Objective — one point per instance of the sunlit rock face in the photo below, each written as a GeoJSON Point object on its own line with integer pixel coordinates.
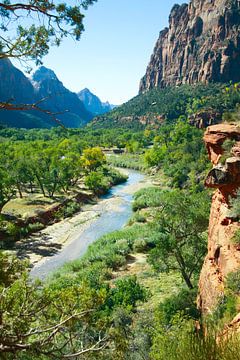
{"type": "Point", "coordinates": [201, 44]}
{"type": "Point", "coordinates": [223, 255]}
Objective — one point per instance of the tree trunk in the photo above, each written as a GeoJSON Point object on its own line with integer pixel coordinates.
{"type": "Point", "coordinates": [41, 185]}
{"type": "Point", "coordinates": [19, 190]}
{"type": "Point", "coordinates": [187, 279]}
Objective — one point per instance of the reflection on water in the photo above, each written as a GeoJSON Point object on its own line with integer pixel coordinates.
{"type": "Point", "coordinates": [110, 218]}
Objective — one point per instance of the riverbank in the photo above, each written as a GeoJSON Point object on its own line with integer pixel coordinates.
{"type": "Point", "coordinates": [111, 212]}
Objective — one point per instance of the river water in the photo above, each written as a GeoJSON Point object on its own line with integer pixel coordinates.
{"type": "Point", "coordinates": [113, 210]}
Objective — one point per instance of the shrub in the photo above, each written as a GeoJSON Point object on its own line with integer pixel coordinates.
{"type": "Point", "coordinates": [140, 245]}
{"type": "Point", "coordinates": [233, 282]}
{"type": "Point", "coordinates": [35, 227]}
{"type": "Point", "coordinates": [128, 292]}
{"type": "Point", "coordinates": [183, 302]}
{"type": "Point", "coordinates": [236, 237]}
{"type": "Point", "coordinates": [122, 247]}
{"type": "Point", "coordinates": [97, 182]}
{"type": "Point", "coordinates": [234, 211]}
{"type": "Point", "coordinates": [115, 261]}
{"type": "Point", "coordinates": [12, 229]}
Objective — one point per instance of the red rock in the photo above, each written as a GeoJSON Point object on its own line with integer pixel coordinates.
{"type": "Point", "coordinates": [222, 258]}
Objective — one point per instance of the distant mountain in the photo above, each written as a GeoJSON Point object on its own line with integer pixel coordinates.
{"type": "Point", "coordinates": [93, 103]}
{"type": "Point", "coordinates": [16, 88]}
{"type": "Point", "coordinates": [44, 84]}
{"type": "Point", "coordinates": [59, 99]}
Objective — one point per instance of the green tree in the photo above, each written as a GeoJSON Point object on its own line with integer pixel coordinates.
{"type": "Point", "coordinates": [92, 159]}
{"type": "Point", "coordinates": [181, 225]}
{"type": "Point", "coordinates": [7, 190]}
{"type": "Point", "coordinates": [36, 25]}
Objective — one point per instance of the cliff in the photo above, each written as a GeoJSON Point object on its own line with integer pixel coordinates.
{"type": "Point", "coordinates": [223, 255]}
{"type": "Point", "coordinates": [202, 44]}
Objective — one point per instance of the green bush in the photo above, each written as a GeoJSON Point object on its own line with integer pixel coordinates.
{"type": "Point", "coordinates": [128, 292]}
{"type": "Point", "coordinates": [35, 227]}
{"type": "Point", "coordinates": [236, 238]}
{"type": "Point", "coordinates": [115, 261]}
{"type": "Point", "coordinates": [233, 282]}
{"type": "Point", "coordinates": [181, 341]}
{"type": "Point", "coordinates": [97, 182]}
{"type": "Point", "coordinates": [183, 302]}
{"type": "Point", "coordinates": [234, 211]}
{"type": "Point", "coordinates": [140, 245]}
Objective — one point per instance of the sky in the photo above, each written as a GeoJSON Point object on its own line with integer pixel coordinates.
{"type": "Point", "coordinates": [114, 49]}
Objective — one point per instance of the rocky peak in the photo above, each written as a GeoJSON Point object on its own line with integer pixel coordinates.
{"type": "Point", "coordinates": [93, 104]}
{"type": "Point", "coordinates": [201, 44]}
{"type": "Point", "coordinates": [223, 255]}
{"type": "Point", "coordinates": [44, 73]}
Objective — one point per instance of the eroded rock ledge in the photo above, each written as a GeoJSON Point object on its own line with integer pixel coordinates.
{"type": "Point", "coordinates": [223, 255]}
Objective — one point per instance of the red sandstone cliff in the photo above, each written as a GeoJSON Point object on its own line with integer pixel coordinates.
{"type": "Point", "coordinates": [202, 44]}
{"type": "Point", "coordinates": [223, 255]}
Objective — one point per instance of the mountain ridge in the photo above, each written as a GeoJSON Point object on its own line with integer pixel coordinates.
{"type": "Point", "coordinates": [93, 104]}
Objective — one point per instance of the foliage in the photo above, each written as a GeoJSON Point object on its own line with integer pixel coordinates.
{"type": "Point", "coordinates": [183, 302]}
{"type": "Point", "coordinates": [63, 319]}
{"type": "Point", "coordinates": [181, 341]}
{"type": "Point", "coordinates": [234, 211]}
{"type": "Point", "coordinates": [179, 150]}
{"type": "Point", "coordinates": [236, 237]}
{"type": "Point", "coordinates": [181, 241]}
{"type": "Point", "coordinates": [171, 103]}
{"type": "Point", "coordinates": [233, 282]}
{"type": "Point", "coordinates": [50, 23]}
{"type": "Point", "coordinates": [92, 159]}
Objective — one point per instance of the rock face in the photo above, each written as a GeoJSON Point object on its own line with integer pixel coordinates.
{"type": "Point", "coordinates": [93, 104]}
{"type": "Point", "coordinates": [223, 255]}
{"type": "Point", "coordinates": [202, 44]}
{"type": "Point", "coordinates": [204, 118]}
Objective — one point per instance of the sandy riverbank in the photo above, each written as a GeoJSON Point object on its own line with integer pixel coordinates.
{"type": "Point", "coordinates": [53, 239]}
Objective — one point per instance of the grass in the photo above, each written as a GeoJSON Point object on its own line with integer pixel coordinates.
{"type": "Point", "coordinates": [129, 161]}
{"type": "Point", "coordinates": [160, 286]}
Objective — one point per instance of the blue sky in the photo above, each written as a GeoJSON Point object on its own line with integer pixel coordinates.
{"type": "Point", "coordinates": [114, 50]}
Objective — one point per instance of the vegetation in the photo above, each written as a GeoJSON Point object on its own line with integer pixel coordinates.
{"type": "Point", "coordinates": [48, 26]}
{"type": "Point", "coordinates": [171, 103]}
{"type": "Point", "coordinates": [97, 307]}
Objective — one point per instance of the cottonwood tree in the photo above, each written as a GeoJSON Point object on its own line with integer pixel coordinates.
{"type": "Point", "coordinates": [181, 226]}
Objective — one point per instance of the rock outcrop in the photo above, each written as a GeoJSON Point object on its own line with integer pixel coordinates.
{"type": "Point", "coordinates": [202, 44]}
{"type": "Point", "coordinates": [223, 255]}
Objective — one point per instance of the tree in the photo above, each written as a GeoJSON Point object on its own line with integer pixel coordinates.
{"type": "Point", "coordinates": [38, 320]}
{"type": "Point", "coordinates": [50, 23]}
{"type": "Point", "coordinates": [92, 159]}
{"type": "Point", "coordinates": [7, 190]}
{"type": "Point", "coordinates": [181, 225]}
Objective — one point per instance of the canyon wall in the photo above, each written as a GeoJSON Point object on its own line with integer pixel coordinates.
{"type": "Point", "coordinates": [201, 44]}
{"type": "Point", "coordinates": [223, 255]}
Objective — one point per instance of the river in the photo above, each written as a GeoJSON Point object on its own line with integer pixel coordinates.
{"type": "Point", "coordinates": [112, 212]}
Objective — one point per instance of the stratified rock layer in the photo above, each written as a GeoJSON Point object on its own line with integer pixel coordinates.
{"type": "Point", "coordinates": [202, 44]}
{"type": "Point", "coordinates": [223, 255]}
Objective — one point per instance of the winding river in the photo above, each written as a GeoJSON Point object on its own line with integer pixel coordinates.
{"type": "Point", "coordinates": [111, 213]}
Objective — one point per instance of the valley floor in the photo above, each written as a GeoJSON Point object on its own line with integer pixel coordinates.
{"type": "Point", "coordinates": [56, 237]}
